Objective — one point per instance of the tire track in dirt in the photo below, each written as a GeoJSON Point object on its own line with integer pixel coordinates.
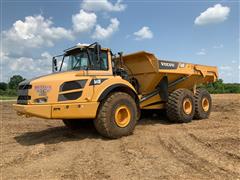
{"type": "Point", "coordinates": [36, 148]}
{"type": "Point", "coordinates": [99, 162]}
{"type": "Point", "coordinates": [218, 159]}
{"type": "Point", "coordinates": [131, 158]}
{"type": "Point", "coordinates": [182, 155]}
{"type": "Point", "coordinates": [233, 157]}
{"type": "Point", "coordinates": [149, 159]}
{"type": "Point", "coordinates": [33, 154]}
{"type": "Point", "coordinates": [80, 166]}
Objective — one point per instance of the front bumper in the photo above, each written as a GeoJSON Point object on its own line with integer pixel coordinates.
{"type": "Point", "coordinates": [59, 111]}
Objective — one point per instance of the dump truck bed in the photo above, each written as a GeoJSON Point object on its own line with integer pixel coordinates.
{"type": "Point", "coordinates": [149, 71]}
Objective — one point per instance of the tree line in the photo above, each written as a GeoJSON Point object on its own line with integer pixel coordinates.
{"type": "Point", "coordinates": [218, 87]}
{"type": "Point", "coordinates": [10, 88]}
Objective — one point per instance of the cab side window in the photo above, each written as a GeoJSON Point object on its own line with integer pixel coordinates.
{"type": "Point", "coordinates": [103, 64]}
{"type": "Point", "coordinates": [104, 60]}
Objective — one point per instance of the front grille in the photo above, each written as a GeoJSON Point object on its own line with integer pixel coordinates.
{"type": "Point", "coordinates": [23, 99]}
{"type": "Point", "coordinates": [23, 96]}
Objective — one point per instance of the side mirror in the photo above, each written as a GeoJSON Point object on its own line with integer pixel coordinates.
{"type": "Point", "coordinates": [97, 50]}
{"type": "Point", "coordinates": [54, 64]}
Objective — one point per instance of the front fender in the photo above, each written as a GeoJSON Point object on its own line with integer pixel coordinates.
{"type": "Point", "coordinates": [112, 84]}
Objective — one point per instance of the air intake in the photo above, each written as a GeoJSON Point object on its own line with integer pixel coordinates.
{"type": "Point", "coordinates": [69, 96]}
{"type": "Point", "coordinates": [71, 85]}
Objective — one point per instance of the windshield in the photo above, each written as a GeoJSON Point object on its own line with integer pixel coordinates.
{"type": "Point", "coordinates": [81, 61]}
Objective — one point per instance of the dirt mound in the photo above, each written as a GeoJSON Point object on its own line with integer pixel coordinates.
{"type": "Point", "coordinates": [43, 149]}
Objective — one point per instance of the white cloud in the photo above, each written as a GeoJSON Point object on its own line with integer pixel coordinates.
{"type": "Point", "coordinates": [202, 52]}
{"type": "Point", "coordinates": [33, 32]}
{"type": "Point", "coordinates": [83, 44]}
{"type": "Point", "coordinates": [215, 14]}
{"type": "Point", "coordinates": [218, 46]}
{"type": "Point", "coordinates": [103, 33]}
{"type": "Point", "coordinates": [26, 66]}
{"type": "Point", "coordinates": [25, 39]}
{"type": "Point", "coordinates": [143, 33]}
{"type": "Point", "coordinates": [83, 21]}
{"type": "Point", "coordinates": [102, 5]}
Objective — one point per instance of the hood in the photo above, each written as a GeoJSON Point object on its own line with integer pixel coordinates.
{"type": "Point", "coordinates": [56, 87]}
{"type": "Point", "coordinates": [58, 76]}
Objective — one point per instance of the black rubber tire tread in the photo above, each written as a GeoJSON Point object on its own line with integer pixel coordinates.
{"type": "Point", "coordinates": [105, 123]}
{"type": "Point", "coordinates": [199, 112]}
{"type": "Point", "coordinates": [175, 111]}
{"type": "Point", "coordinates": [75, 124]}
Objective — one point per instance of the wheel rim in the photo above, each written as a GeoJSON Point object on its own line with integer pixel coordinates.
{"type": "Point", "coordinates": [187, 106]}
{"type": "Point", "coordinates": [122, 116]}
{"type": "Point", "coordinates": [205, 104]}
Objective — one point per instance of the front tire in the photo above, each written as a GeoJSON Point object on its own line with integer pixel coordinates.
{"type": "Point", "coordinates": [117, 116]}
{"type": "Point", "coordinates": [180, 106]}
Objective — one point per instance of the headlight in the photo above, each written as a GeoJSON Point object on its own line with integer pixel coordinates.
{"type": "Point", "coordinates": [41, 100]}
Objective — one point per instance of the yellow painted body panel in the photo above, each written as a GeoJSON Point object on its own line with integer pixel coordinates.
{"type": "Point", "coordinates": [156, 106]}
{"type": "Point", "coordinates": [144, 67]}
{"type": "Point", "coordinates": [75, 110]}
{"type": "Point", "coordinates": [59, 111]}
{"type": "Point", "coordinates": [43, 111]}
{"type": "Point", "coordinates": [152, 103]}
{"type": "Point", "coordinates": [54, 81]}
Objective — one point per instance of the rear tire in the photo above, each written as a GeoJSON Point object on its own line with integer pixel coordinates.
{"type": "Point", "coordinates": [180, 106]}
{"type": "Point", "coordinates": [203, 104]}
{"type": "Point", "coordinates": [117, 116]}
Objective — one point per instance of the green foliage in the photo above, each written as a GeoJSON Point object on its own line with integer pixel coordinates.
{"type": "Point", "coordinates": [14, 81]}
{"type": "Point", "coordinates": [219, 87]}
{"type": "Point", "coordinates": [10, 89]}
{"type": "Point", "coordinates": [11, 92]}
{"type": "Point", "coordinates": [2, 93]}
{"type": "Point", "coordinates": [8, 98]}
{"type": "Point", "coordinates": [3, 86]}
{"type": "Point", "coordinates": [8, 92]}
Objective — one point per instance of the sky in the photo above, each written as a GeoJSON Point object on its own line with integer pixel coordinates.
{"type": "Point", "coordinates": [201, 32]}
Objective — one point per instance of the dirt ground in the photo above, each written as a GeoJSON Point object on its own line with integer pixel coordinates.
{"type": "Point", "coordinates": [35, 148]}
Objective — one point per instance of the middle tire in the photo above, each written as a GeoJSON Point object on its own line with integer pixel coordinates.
{"type": "Point", "coordinates": [180, 106]}
{"type": "Point", "coordinates": [117, 115]}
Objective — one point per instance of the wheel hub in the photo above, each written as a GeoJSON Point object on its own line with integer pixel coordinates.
{"type": "Point", "coordinates": [205, 104]}
{"type": "Point", "coordinates": [122, 116]}
{"type": "Point", "coordinates": [187, 106]}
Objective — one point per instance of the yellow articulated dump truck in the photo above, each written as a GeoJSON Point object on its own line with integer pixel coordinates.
{"type": "Point", "coordinates": [90, 82]}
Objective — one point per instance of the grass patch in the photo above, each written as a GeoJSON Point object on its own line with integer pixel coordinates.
{"type": "Point", "coordinates": [8, 97]}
